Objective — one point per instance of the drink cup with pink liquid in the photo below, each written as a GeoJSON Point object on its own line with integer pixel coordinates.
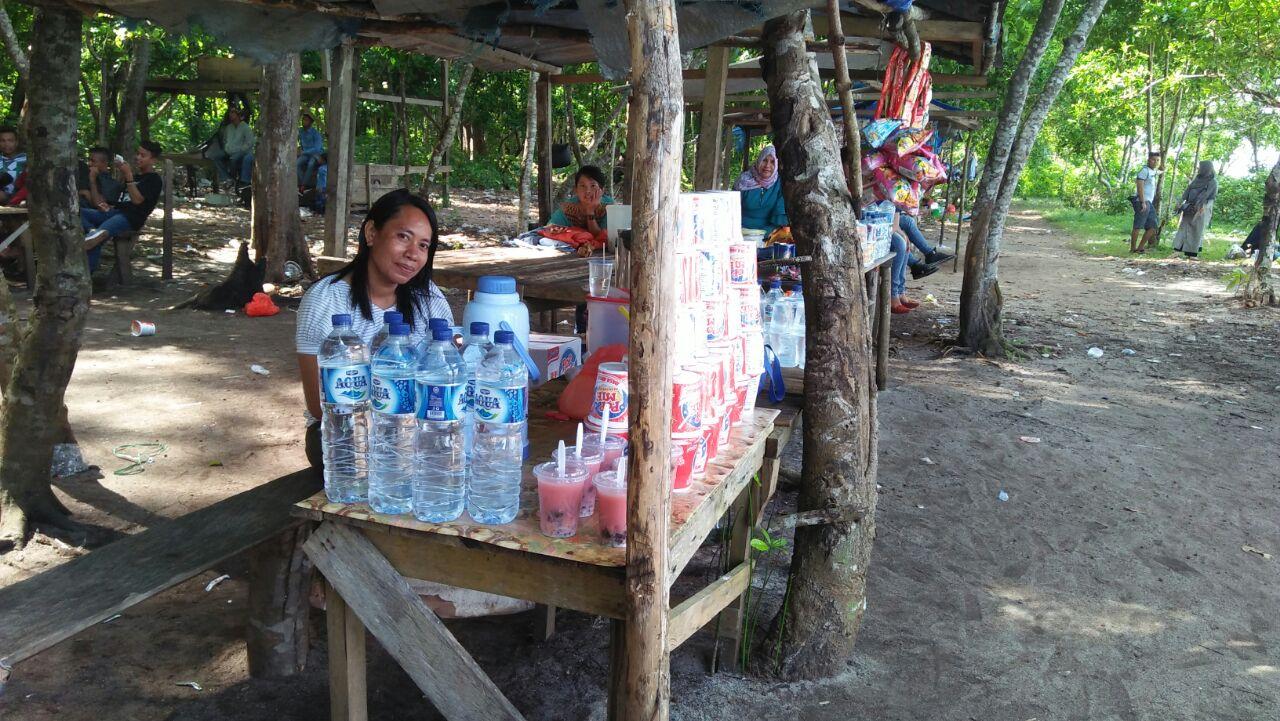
{"type": "Point", "coordinates": [592, 457]}
{"type": "Point", "coordinates": [560, 487]}
{"type": "Point", "coordinates": [611, 506]}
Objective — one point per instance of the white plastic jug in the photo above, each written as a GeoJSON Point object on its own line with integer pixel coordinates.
{"type": "Point", "coordinates": [496, 301]}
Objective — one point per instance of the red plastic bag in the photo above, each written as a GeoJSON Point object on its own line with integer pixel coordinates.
{"type": "Point", "coordinates": [261, 306]}
{"type": "Point", "coordinates": [575, 400]}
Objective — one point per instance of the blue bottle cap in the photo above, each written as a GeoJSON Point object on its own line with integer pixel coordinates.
{"type": "Point", "coordinates": [437, 323]}
{"type": "Point", "coordinates": [399, 329]}
{"type": "Point", "coordinates": [442, 334]}
{"type": "Point", "coordinates": [392, 317]}
{"type": "Point", "coordinates": [504, 336]}
{"type": "Point", "coordinates": [775, 284]}
{"type": "Point", "coordinates": [341, 319]}
{"type": "Point", "coordinates": [479, 328]}
{"type": "Point", "coordinates": [496, 284]}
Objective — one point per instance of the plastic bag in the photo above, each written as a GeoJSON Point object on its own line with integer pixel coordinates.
{"type": "Point", "coordinates": [907, 141]}
{"type": "Point", "coordinates": [261, 306]}
{"type": "Point", "coordinates": [575, 400]}
{"type": "Point", "coordinates": [905, 195]}
{"type": "Point", "coordinates": [878, 131]}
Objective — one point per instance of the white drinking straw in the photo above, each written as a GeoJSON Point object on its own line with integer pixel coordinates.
{"type": "Point", "coordinates": [577, 449]}
{"type": "Point", "coordinates": [560, 460]}
{"type": "Point", "coordinates": [604, 425]}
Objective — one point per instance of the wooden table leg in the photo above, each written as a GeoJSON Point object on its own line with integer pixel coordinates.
{"type": "Point", "coordinates": [882, 326]}
{"type": "Point", "coordinates": [28, 260]}
{"type": "Point", "coordinates": [617, 669]}
{"type": "Point", "coordinates": [544, 622]}
{"type": "Point", "coordinates": [744, 512]}
{"type": "Point", "coordinates": [348, 697]}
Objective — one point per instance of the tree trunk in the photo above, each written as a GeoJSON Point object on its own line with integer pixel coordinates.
{"type": "Point", "coordinates": [277, 233]}
{"type": "Point", "coordinates": [814, 633]}
{"type": "Point", "coordinates": [133, 97]}
{"type": "Point", "coordinates": [450, 128]}
{"type": "Point", "coordinates": [1151, 81]}
{"type": "Point", "coordinates": [13, 46]}
{"type": "Point", "coordinates": [30, 422]}
{"type": "Point", "coordinates": [530, 142]}
{"type": "Point", "coordinates": [1271, 213]}
{"type": "Point", "coordinates": [278, 635]}
{"type": "Point", "coordinates": [980, 313]}
{"type": "Point", "coordinates": [979, 294]}
{"type": "Point", "coordinates": [590, 156]}
{"type": "Point", "coordinates": [571, 125]}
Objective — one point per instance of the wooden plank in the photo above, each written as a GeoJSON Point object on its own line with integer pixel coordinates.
{"type": "Point", "coordinates": [711, 128]}
{"type": "Point", "coordinates": [340, 119]}
{"type": "Point", "coordinates": [544, 622]}
{"type": "Point", "coordinates": [699, 609]}
{"type": "Point", "coordinates": [543, 102]}
{"type": "Point", "coordinates": [348, 696]}
{"type": "Point", "coordinates": [166, 272]}
{"type": "Point", "coordinates": [407, 629]}
{"type": "Point", "coordinates": [939, 79]}
{"type": "Point", "coordinates": [933, 31]}
{"type": "Point", "coordinates": [52, 606]}
{"type": "Point", "coordinates": [883, 304]}
{"type": "Point", "coordinates": [381, 98]}
{"type": "Point", "coordinates": [28, 260]}
{"type": "Point", "coordinates": [183, 86]}
{"type": "Point", "coordinates": [550, 581]}
{"type": "Point", "coordinates": [541, 275]}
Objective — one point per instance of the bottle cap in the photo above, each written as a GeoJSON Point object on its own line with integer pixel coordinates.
{"type": "Point", "coordinates": [442, 334]}
{"type": "Point", "coordinates": [496, 284]}
{"type": "Point", "coordinates": [341, 319]}
{"type": "Point", "coordinates": [775, 284]}
{"type": "Point", "coordinates": [479, 328]}
{"type": "Point", "coordinates": [437, 323]}
{"type": "Point", "coordinates": [392, 317]}
{"type": "Point", "coordinates": [504, 336]}
{"type": "Point", "coordinates": [399, 329]}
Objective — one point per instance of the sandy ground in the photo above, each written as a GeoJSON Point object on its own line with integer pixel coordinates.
{"type": "Point", "coordinates": [1111, 584]}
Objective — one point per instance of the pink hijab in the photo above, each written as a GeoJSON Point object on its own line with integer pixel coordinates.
{"type": "Point", "coordinates": [751, 179]}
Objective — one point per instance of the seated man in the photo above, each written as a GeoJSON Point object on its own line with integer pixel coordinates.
{"type": "Point", "coordinates": [233, 156]}
{"type": "Point", "coordinates": [12, 162]}
{"type": "Point", "coordinates": [129, 211]}
{"type": "Point", "coordinates": [310, 145]}
{"type": "Point", "coordinates": [932, 256]}
{"type": "Point", "coordinates": [99, 165]}
{"type": "Point", "coordinates": [322, 182]}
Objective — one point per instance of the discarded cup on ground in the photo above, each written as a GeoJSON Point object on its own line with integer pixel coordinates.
{"type": "Point", "coordinates": [560, 496]}
{"type": "Point", "coordinates": [601, 276]}
{"type": "Point", "coordinates": [142, 327]}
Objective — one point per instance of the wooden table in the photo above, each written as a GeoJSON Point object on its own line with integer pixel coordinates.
{"type": "Point", "coordinates": [17, 230]}
{"type": "Point", "coordinates": [544, 275]}
{"type": "Point", "coordinates": [366, 558]}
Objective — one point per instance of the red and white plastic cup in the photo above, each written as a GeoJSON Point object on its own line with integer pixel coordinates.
{"type": "Point", "coordinates": [712, 270]}
{"type": "Point", "coordinates": [742, 262]}
{"type": "Point", "coordinates": [610, 397]}
{"type": "Point", "coordinates": [142, 328]}
{"type": "Point", "coordinates": [688, 277]}
{"type": "Point", "coordinates": [684, 452]}
{"type": "Point", "coordinates": [686, 402]}
{"type": "Point", "coordinates": [748, 306]}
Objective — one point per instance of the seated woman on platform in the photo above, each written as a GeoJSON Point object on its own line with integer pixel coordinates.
{"type": "Point", "coordinates": [391, 271]}
{"type": "Point", "coordinates": [585, 208]}
{"type": "Point", "coordinates": [762, 206]}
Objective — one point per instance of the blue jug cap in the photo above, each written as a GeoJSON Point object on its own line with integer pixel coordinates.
{"type": "Point", "coordinates": [442, 334]}
{"type": "Point", "coordinates": [437, 323]}
{"type": "Point", "coordinates": [340, 319]}
{"type": "Point", "coordinates": [479, 328]}
{"type": "Point", "coordinates": [399, 329]}
{"type": "Point", "coordinates": [496, 284]}
{"type": "Point", "coordinates": [775, 284]}
{"type": "Point", "coordinates": [504, 336]}
{"type": "Point", "coordinates": [392, 316]}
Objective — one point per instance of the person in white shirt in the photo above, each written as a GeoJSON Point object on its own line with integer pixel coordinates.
{"type": "Point", "coordinates": [391, 271]}
{"type": "Point", "coordinates": [1145, 220]}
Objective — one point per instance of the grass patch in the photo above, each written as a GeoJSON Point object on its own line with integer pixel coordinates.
{"type": "Point", "coordinates": [1096, 233]}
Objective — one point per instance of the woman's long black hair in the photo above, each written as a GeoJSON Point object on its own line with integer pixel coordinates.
{"type": "Point", "coordinates": [411, 297]}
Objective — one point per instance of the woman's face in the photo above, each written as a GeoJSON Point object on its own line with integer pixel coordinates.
{"type": "Point", "coordinates": [766, 166]}
{"type": "Point", "coordinates": [588, 191]}
{"type": "Point", "coordinates": [399, 248]}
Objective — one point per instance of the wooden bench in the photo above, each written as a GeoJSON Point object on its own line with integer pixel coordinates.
{"type": "Point", "coordinates": [46, 609]}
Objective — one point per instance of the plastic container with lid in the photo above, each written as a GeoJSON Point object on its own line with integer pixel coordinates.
{"type": "Point", "coordinates": [496, 301]}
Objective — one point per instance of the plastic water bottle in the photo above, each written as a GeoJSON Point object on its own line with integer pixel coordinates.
{"type": "Point", "coordinates": [796, 326]}
{"type": "Point", "coordinates": [783, 323]}
{"type": "Point", "coordinates": [440, 481]}
{"type": "Point", "coordinates": [769, 314]}
{"type": "Point", "coordinates": [395, 427]}
{"type": "Point", "coordinates": [344, 403]}
{"type": "Point", "coordinates": [500, 405]}
{"type": "Point", "coordinates": [389, 319]}
{"type": "Point", "coordinates": [476, 348]}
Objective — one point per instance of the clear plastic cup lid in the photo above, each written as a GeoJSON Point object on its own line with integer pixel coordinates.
{"type": "Point", "coordinates": [610, 479]}
{"type": "Point", "coordinates": [574, 472]}
{"type": "Point", "coordinates": [589, 453]}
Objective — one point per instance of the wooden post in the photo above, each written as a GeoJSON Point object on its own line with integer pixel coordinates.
{"type": "Point", "coordinates": [656, 134]}
{"type": "Point", "coordinates": [707, 174]}
{"type": "Point", "coordinates": [545, 178]}
{"type": "Point", "coordinates": [946, 196]}
{"type": "Point", "coordinates": [444, 121]}
{"type": "Point", "coordinates": [964, 190]}
{"type": "Point", "coordinates": [852, 151]}
{"type": "Point", "coordinates": [340, 119]}
{"type": "Point", "coordinates": [348, 695]}
{"type": "Point", "coordinates": [279, 583]}
{"type": "Point", "coordinates": [884, 303]}
{"type": "Point", "coordinates": [276, 230]}
{"type": "Point", "coordinates": [166, 272]}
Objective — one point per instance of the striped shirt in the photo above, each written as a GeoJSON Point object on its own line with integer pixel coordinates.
{"type": "Point", "coordinates": [330, 296]}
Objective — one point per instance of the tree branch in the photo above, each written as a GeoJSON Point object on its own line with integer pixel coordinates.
{"type": "Point", "coordinates": [13, 46]}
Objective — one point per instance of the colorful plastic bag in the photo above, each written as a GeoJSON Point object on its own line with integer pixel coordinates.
{"type": "Point", "coordinates": [879, 131]}
{"type": "Point", "coordinates": [906, 141]}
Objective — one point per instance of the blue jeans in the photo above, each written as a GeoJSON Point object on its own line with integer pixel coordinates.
{"type": "Point", "coordinates": [912, 231]}
{"type": "Point", "coordinates": [111, 221]}
{"type": "Point", "coordinates": [899, 248]}
{"type": "Point", "coordinates": [240, 164]}
{"type": "Point", "coordinates": [306, 166]}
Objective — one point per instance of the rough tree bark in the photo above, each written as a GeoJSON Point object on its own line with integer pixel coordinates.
{"type": "Point", "coordinates": [30, 422]}
{"type": "Point", "coordinates": [450, 129]}
{"type": "Point", "coordinates": [530, 142]}
{"type": "Point", "coordinates": [979, 293]}
{"type": "Point", "coordinates": [1271, 214]}
{"type": "Point", "coordinates": [133, 97]}
{"type": "Point", "coordinates": [277, 232]}
{"type": "Point", "coordinates": [989, 302]}
{"type": "Point", "coordinates": [813, 635]}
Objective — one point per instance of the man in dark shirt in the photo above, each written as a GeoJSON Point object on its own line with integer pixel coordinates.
{"type": "Point", "coordinates": [108, 187]}
{"type": "Point", "coordinates": [129, 211]}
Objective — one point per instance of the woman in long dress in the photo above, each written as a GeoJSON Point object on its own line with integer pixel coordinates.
{"type": "Point", "coordinates": [1196, 207]}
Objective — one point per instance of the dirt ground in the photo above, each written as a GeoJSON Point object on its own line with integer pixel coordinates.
{"type": "Point", "coordinates": [1111, 584]}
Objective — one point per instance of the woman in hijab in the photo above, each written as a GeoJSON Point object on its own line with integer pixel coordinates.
{"type": "Point", "coordinates": [1196, 207]}
{"type": "Point", "coordinates": [762, 206]}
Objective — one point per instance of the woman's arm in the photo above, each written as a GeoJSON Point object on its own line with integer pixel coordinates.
{"type": "Point", "coordinates": [310, 371]}
{"type": "Point", "coordinates": [778, 217]}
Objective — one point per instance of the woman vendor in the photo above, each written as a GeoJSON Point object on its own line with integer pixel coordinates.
{"type": "Point", "coordinates": [1196, 207]}
{"type": "Point", "coordinates": [585, 209]}
{"type": "Point", "coordinates": [391, 272]}
{"type": "Point", "coordinates": [762, 206]}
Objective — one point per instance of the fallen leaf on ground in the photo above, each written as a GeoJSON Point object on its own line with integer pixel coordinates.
{"type": "Point", "coordinates": [928, 461]}
{"type": "Point", "coordinates": [1132, 510]}
{"type": "Point", "coordinates": [1251, 549]}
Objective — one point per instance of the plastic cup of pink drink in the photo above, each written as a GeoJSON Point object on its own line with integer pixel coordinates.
{"type": "Point", "coordinates": [592, 459]}
{"type": "Point", "coordinates": [612, 449]}
{"type": "Point", "coordinates": [611, 508]}
{"type": "Point", "coordinates": [559, 497]}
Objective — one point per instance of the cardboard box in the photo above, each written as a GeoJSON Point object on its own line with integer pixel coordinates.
{"type": "Point", "coordinates": [554, 355]}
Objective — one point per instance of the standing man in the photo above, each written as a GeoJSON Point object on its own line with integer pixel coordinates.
{"type": "Point", "coordinates": [129, 211]}
{"type": "Point", "coordinates": [235, 159]}
{"type": "Point", "coordinates": [310, 146]}
{"type": "Point", "coordinates": [12, 162]}
{"type": "Point", "coordinates": [1144, 209]}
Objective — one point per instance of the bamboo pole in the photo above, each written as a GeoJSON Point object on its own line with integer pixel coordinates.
{"type": "Point", "coordinates": [655, 137]}
{"type": "Point", "coordinates": [946, 198]}
{"type": "Point", "coordinates": [964, 189]}
{"type": "Point", "coordinates": [852, 151]}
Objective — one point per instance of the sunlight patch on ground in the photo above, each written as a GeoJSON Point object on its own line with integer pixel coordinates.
{"type": "Point", "coordinates": [1090, 618]}
{"type": "Point", "coordinates": [1263, 670]}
